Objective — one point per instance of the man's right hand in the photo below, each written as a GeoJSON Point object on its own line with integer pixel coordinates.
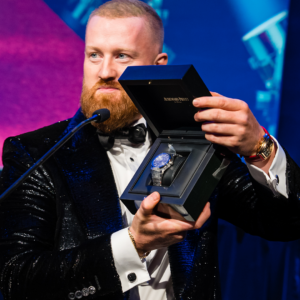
{"type": "Point", "coordinates": [151, 231]}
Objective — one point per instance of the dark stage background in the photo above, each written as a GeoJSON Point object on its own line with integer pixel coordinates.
{"type": "Point", "coordinates": [242, 49]}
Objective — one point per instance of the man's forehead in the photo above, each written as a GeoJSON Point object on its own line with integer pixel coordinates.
{"type": "Point", "coordinates": [109, 34]}
{"type": "Point", "coordinates": [99, 24]}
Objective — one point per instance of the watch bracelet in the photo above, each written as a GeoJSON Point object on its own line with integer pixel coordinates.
{"type": "Point", "coordinates": [156, 182]}
{"type": "Point", "coordinates": [156, 177]}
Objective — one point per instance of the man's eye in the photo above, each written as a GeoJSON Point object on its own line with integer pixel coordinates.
{"type": "Point", "coordinates": [122, 56]}
{"type": "Point", "coordinates": [94, 55]}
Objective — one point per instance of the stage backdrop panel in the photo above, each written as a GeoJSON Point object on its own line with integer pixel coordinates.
{"type": "Point", "coordinates": [40, 67]}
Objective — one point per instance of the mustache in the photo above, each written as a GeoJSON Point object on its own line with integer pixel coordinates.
{"type": "Point", "coordinates": [101, 83]}
{"type": "Point", "coordinates": [109, 84]}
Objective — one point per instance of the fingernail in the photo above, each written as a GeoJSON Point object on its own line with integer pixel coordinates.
{"type": "Point", "coordinates": [195, 102]}
{"type": "Point", "coordinates": [156, 196]}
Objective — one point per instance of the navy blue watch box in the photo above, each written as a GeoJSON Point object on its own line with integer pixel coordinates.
{"type": "Point", "coordinates": [164, 95]}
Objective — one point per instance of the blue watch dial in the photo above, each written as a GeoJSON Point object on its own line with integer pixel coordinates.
{"type": "Point", "coordinates": [161, 160]}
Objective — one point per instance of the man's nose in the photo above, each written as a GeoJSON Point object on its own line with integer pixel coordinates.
{"type": "Point", "coordinates": [108, 70]}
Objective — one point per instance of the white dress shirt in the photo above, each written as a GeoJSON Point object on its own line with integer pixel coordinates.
{"type": "Point", "coordinates": [153, 275]}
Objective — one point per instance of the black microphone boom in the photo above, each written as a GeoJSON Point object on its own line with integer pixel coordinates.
{"type": "Point", "coordinates": [98, 116]}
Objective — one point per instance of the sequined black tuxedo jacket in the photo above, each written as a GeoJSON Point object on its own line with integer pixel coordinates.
{"type": "Point", "coordinates": [55, 230]}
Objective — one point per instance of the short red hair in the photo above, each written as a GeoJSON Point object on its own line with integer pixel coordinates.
{"type": "Point", "coordinates": [133, 8]}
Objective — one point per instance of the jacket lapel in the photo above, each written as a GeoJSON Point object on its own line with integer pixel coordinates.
{"type": "Point", "coordinates": [89, 177]}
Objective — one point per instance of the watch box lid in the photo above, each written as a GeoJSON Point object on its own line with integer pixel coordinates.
{"type": "Point", "coordinates": [164, 95]}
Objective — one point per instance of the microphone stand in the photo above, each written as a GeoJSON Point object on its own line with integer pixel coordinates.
{"type": "Point", "coordinates": [98, 116]}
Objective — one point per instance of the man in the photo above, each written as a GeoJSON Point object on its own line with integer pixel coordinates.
{"type": "Point", "coordinates": [64, 233]}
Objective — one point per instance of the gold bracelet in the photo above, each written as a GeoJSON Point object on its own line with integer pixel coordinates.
{"type": "Point", "coordinates": [133, 242]}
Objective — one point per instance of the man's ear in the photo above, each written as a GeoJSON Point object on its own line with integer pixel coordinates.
{"type": "Point", "coordinates": [161, 59]}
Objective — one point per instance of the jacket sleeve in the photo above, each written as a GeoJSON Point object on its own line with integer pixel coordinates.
{"type": "Point", "coordinates": [30, 267]}
{"type": "Point", "coordinates": [247, 204]}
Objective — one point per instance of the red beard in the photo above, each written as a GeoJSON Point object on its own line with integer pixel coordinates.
{"type": "Point", "coordinates": [122, 110]}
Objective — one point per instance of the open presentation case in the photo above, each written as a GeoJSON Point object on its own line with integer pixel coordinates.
{"type": "Point", "coordinates": [164, 95]}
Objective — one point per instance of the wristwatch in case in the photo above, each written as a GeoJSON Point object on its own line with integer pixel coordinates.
{"type": "Point", "coordinates": [163, 162]}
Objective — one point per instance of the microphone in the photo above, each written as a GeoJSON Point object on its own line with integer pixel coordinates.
{"type": "Point", "coordinates": [102, 115]}
{"type": "Point", "coordinates": [98, 116]}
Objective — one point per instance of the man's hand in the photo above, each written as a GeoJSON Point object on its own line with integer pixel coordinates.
{"type": "Point", "coordinates": [151, 231]}
{"type": "Point", "coordinates": [229, 122]}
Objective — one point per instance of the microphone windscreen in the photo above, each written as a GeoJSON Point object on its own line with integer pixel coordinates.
{"type": "Point", "coordinates": [103, 114]}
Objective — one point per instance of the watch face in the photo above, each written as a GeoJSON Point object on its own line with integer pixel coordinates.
{"type": "Point", "coordinates": [161, 160]}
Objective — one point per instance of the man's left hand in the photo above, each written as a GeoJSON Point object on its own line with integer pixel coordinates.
{"type": "Point", "coordinates": [230, 123]}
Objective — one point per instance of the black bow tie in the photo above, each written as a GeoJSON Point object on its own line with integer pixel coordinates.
{"type": "Point", "coordinates": [135, 135]}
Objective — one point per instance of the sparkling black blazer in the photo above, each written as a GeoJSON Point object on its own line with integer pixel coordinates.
{"type": "Point", "coordinates": [55, 229]}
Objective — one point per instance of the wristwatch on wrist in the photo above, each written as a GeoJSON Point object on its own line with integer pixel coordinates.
{"type": "Point", "coordinates": [264, 150]}
{"type": "Point", "coordinates": [161, 163]}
